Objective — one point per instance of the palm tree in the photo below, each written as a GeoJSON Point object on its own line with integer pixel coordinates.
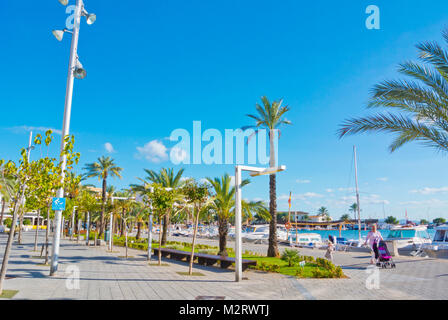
{"type": "Point", "coordinates": [102, 169]}
{"type": "Point", "coordinates": [416, 109]}
{"type": "Point", "coordinates": [224, 205]}
{"type": "Point", "coordinates": [354, 208]}
{"type": "Point", "coordinates": [345, 217]}
{"type": "Point", "coordinates": [271, 117]}
{"type": "Point", "coordinates": [167, 179]}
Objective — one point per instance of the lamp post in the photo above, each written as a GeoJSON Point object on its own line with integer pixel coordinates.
{"type": "Point", "coordinates": [74, 70]}
{"type": "Point", "coordinates": [254, 171]}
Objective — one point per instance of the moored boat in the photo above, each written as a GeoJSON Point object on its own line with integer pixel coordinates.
{"type": "Point", "coordinates": [438, 248]}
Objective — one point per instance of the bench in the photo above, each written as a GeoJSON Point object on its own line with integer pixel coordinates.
{"type": "Point", "coordinates": [202, 258]}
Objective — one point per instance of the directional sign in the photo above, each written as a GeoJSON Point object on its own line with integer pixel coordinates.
{"type": "Point", "coordinates": [58, 204]}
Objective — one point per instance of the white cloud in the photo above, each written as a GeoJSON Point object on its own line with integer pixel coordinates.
{"type": "Point", "coordinates": [109, 147]}
{"type": "Point", "coordinates": [23, 128]}
{"type": "Point", "coordinates": [329, 190]}
{"type": "Point", "coordinates": [426, 203]}
{"type": "Point", "coordinates": [302, 196]}
{"type": "Point", "coordinates": [303, 181]}
{"type": "Point", "coordinates": [153, 151]}
{"type": "Point", "coordinates": [427, 190]}
{"type": "Point", "coordinates": [383, 179]}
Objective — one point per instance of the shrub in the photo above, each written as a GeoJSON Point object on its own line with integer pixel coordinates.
{"type": "Point", "coordinates": [274, 268]}
{"type": "Point", "coordinates": [8, 222]}
{"type": "Point", "coordinates": [299, 272]}
{"type": "Point", "coordinates": [291, 257]}
{"type": "Point", "coordinates": [26, 222]}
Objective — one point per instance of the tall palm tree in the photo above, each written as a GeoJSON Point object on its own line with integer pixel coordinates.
{"type": "Point", "coordinates": [354, 208]}
{"type": "Point", "coordinates": [224, 205]}
{"type": "Point", "coordinates": [415, 109]}
{"type": "Point", "coordinates": [271, 117]}
{"type": "Point", "coordinates": [102, 169]}
{"type": "Point", "coordinates": [167, 179]}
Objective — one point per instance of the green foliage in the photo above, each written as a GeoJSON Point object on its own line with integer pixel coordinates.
{"type": "Point", "coordinates": [439, 220]}
{"type": "Point", "coordinates": [415, 108]}
{"type": "Point", "coordinates": [391, 220]}
{"type": "Point", "coordinates": [26, 222]}
{"type": "Point", "coordinates": [7, 222]}
{"type": "Point", "coordinates": [291, 256]}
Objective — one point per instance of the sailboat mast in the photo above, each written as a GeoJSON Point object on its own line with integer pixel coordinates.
{"type": "Point", "coordinates": [357, 195]}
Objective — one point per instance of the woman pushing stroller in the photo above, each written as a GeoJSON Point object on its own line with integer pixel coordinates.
{"type": "Point", "coordinates": [373, 238]}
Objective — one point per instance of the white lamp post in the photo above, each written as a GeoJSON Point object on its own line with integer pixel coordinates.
{"type": "Point", "coordinates": [74, 70]}
{"type": "Point", "coordinates": [254, 171]}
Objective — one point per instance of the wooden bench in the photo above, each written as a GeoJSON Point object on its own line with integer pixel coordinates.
{"type": "Point", "coordinates": [202, 258]}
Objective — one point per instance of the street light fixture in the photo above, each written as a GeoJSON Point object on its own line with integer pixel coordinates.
{"type": "Point", "coordinates": [90, 17]}
{"type": "Point", "coordinates": [74, 70]}
{"type": "Point", "coordinates": [79, 72]}
{"type": "Point", "coordinates": [254, 171]}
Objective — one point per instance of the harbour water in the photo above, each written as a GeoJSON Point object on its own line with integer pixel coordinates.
{"type": "Point", "coordinates": [349, 234]}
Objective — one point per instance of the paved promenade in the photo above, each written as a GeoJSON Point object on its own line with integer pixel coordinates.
{"type": "Point", "coordinates": [104, 275]}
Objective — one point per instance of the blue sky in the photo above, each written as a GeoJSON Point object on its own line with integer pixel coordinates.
{"type": "Point", "coordinates": [153, 67]}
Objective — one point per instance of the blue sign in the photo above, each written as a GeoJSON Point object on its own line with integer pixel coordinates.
{"type": "Point", "coordinates": [58, 204]}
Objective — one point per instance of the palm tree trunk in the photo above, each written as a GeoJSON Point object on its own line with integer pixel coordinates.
{"type": "Point", "coordinates": [3, 211]}
{"type": "Point", "coordinates": [10, 240]}
{"type": "Point", "coordinates": [139, 229]}
{"type": "Point", "coordinates": [103, 206]}
{"type": "Point", "coordinates": [273, 243]}
{"type": "Point", "coordinates": [195, 231]}
{"type": "Point", "coordinates": [222, 230]}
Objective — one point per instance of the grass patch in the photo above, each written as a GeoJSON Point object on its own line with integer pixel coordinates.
{"type": "Point", "coordinates": [313, 268]}
{"type": "Point", "coordinates": [8, 294]}
{"type": "Point", "coordinates": [188, 274]}
{"type": "Point", "coordinates": [124, 257]}
{"type": "Point", "coordinates": [158, 265]}
{"type": "Point", "coordinates": [112, 251]}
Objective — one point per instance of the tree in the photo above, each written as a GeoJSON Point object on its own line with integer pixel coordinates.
{"type": "Point", "coordinates": [196, 195]}
{"type": "Point", "coordinates": [291, 256]}
{"type": "Point", "coordinates": [439, 221]}
{"type": "Point", "coordinates": [354, 209]}
{"type": "Point", "coordinates": [167, 179]}
{"type": "Point", "coordinates": [391, 220]}
{"type": "Point", "coordinates": [7, 183]}
{"type": "Point", "coordinates": [224, 205]}
{"type": "Point", "coordinates": [102, 169]}
{"type": "Point", "coordinates": [162, 200]}
{"type": "Point", "coordinates": [322, 211]}
{"type": "Point", "coordinates": [25, 174]}
{"type": "Point", "coordinates": [415, 109]}
{"type": "Point", "coordinates": [345, 217]}
{"type": "Point", "coordinates": [271, 117]}
{"type": "Point", "coordinates": [424, 221]}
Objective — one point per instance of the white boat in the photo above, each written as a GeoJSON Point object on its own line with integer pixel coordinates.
{"type": "Point", "coordinates": [311, 240]}
{"type": "Point", "coordinates": [408, 238]}
{"type": "Point", "coordinates": [439, 245]}
{"type": "Point", "coordinates": [256, 234]}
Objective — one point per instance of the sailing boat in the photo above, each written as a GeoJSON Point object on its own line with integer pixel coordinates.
{"type": "Point", "coordinates": [356, 244]}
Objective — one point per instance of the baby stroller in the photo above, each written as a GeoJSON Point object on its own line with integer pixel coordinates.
{"type": "Point", "coordinates": [384, 258]}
